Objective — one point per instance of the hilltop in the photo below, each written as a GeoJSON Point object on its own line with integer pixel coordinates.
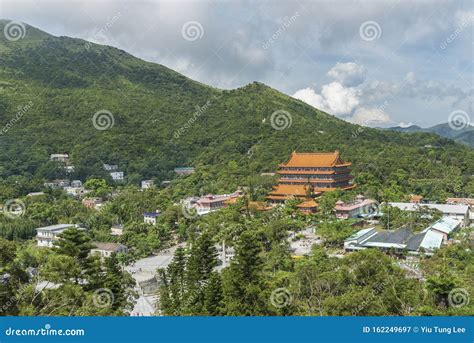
{"type": "Point", "coordinates": [162, 119]}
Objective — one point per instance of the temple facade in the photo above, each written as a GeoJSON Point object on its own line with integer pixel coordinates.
{"type": "Point", "coordinates": [306, 175]}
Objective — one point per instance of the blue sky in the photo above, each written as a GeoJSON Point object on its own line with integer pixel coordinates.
{"type": "Point", "coordinates": [376, 63]}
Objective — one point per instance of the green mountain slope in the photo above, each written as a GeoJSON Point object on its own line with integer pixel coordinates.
{"type": "Point", "coordinates": [464, 135]}
{"type": "Point", "coordinates": [163, 120]}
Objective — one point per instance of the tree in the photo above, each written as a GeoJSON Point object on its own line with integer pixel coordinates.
{"type": "Point", "coordinates": [75, 243]}
{"type": "Point", "coordinates": [243, 282]}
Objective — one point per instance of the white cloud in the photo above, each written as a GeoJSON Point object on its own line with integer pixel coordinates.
{"type": "Point", "coordinates": [349, 74]}
{"type": "Point", "coordinates": [334, 98]}
{"type": "Point", "coordinates": [403, 124]}
{"type": "Point", "coordinates": [370, 116]}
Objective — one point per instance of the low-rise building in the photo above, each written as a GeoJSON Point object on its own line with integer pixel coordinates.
{"type": "Point", "coordinates": [395, 241]}
{"type": "Point", "coordinates": [117, 176]}
{"type": "Point", "coordinates": [109, 167]}
{"type": "Point", "coordinates": [184, 170]}
{"type": "Point", "coordinates": [105, 249]}
{"type": "Point", "coordinates": [116, 230]}
{"type": "Point", "coordinates": [147, 184]}
{"type": "Point", "coordinates": [447, 210]}
{"type": "Point", "coordinates": [416, 199]}
{"type": "Point", "coordinates": [92, 203]}
{"type": "Point", "coordinates": [308, 206]}
{"type": "Point", "coordinates": [47, 235]}
{"type": "Point", "coordinates": [76, 183]}
{"type": "Point", "coordinates": [357, 208]}
{"type": "Point", "coordinates": [150, 217]}
{"type": "Point", "coordinates": [35, 194]}
{"type": "Point", "coordinates": [213, 202]}
{"type": "Point", "coordinates": [445, 226]}
{"type": "Point", "coordinates": [75, 191]}
{"type": "Point", "coordinates": [57, 183]}
{"type": "Point", "coordinates": [59, 158]}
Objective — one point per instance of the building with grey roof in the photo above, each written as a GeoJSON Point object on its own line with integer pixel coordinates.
{"type": "Point", "coordinates": [47, 235]}
{"type": "Point", "coordinates": [397, 241]}
{"type": "Point", "coordinates": [459, 211]}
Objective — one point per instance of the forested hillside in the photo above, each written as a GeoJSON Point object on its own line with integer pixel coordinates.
{"type": "Point", "coordinates": [51, 87]}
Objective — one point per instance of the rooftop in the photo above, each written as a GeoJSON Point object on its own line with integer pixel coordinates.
{"type": "Point", "coordinates": [57, 227]}
{"type": "Point", "coordinates": [444, 208]}
{"type": "Point", "coordinates": [315, 159]}
{"type": "Point", "coordinates": [108, 246]}
{"type": "Point", "coordinates": [445, 225]}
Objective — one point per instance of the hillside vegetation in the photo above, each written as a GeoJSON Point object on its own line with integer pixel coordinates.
{"type": "Point", "coordinates": [51, 87]}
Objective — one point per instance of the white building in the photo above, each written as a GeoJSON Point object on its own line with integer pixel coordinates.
{"type": "Point", "coordinates": [59, 158]}
{"type": "Point", "coordinates": [116, 230]}
{"type": "Point", "coordinates": [445, 227]}
{"type": "Point", "coordinates": [117, 175]}
{"type": "Point", "coordinates": [147, 184]}
{"type": "Point", "coordinates": [76, 183]}
{"type": "Point", "coordinates": [75, 191]}
{"type": "Point", "coordinates": [47, 235]}
{"type": "Point", "coordinates": [105, 249]}
{"type": "Point", "coordinates": [452, 211]}
{"type": "Point", "coordinates": [110, 167]}
{"type": "Point", "coordinates": [150, 217]}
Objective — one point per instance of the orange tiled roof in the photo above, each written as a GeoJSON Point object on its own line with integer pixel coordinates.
{"type": "Point", "coordinates": [315, 159]}
{"type": "Point", "coordinates": [310, 203]}
{"type": "Point", "coordinates": [296, 190]}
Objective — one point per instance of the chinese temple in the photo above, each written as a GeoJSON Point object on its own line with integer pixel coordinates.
{"type": "Point", "coordinates": [306, 175]}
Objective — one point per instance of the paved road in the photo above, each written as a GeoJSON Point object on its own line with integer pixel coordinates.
{"type": "Point", "coordinates": [145, 269]}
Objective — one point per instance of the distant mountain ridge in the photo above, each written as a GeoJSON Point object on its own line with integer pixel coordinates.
{"type": "Point", "coordinates": [464, 134]}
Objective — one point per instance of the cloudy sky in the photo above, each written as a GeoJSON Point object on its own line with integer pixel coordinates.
{"type": "Point", "coordinates": [376, 63]}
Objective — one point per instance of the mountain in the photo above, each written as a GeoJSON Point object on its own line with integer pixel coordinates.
{"type": "Point", "coordinates": [464, 135]}
{"type": "Point", "coordinates": [153, 119]}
